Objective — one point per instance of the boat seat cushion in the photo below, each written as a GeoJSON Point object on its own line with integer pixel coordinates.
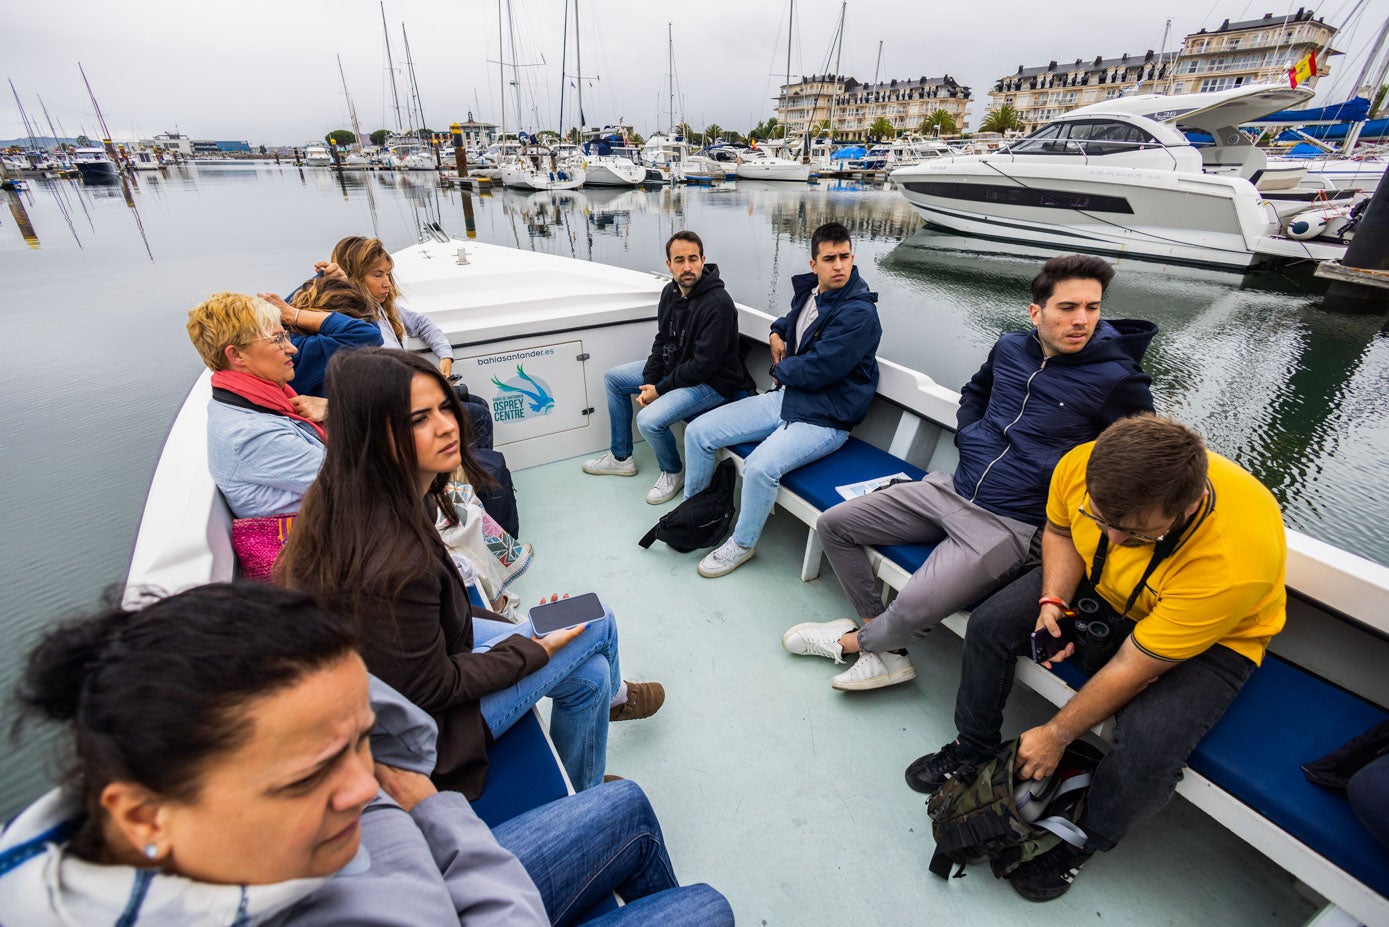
{"type": "Point", "coordinates": [855, 462]}
{"type": "Point", "coordinates": [1285, 717]}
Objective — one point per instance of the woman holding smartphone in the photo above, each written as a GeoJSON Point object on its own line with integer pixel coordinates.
{"type": "Point", "coordinates": [365, 545]}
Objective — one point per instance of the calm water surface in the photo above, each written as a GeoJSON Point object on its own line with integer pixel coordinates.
{"type": "Point", "coordinates": [95, 360]}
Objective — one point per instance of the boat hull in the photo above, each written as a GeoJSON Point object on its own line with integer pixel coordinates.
{"type": "Point", "coordinates": [522, 178]}
{"type": "Point", "coordinates": [785, 170]}
{"type": "Point", "coordinates": [97, 171]}
{"type": "Point", "coordinates": [603, 172]}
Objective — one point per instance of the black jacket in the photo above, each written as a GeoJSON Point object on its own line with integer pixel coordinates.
{"type": "Point", "coordinates": [697, 339]}
{"type": "Point", "coordinates": [1022, 412]}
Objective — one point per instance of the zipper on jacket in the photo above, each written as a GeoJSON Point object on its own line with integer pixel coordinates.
{"type": "Point", "coordinates": [1027, 394]}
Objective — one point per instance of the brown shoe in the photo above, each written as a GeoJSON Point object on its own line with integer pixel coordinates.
{"type": "Point", "coordinates": [611, 778]}
{"type": "Point", "coordinates": [644, 699]}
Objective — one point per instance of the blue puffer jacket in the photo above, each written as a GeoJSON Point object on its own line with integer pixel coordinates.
{"type": "Point", "coordinates": [338, 332]}
{"type": "Point", "coordinates": [1022, 412]}
{"type": "Point", "coordinates": [830, 380]}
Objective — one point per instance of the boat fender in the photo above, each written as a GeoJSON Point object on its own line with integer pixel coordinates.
{"type": "Point", "coordinates": [1306, 225]}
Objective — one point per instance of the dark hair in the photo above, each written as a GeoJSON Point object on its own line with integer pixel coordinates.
{"type": "Point", "coordinates": [829, 233]}
{"type": "Point", "coordinates": [362, 529]}
{"type": "Point", "coordinates": [331, 294]}
{"type": "Point", "coordinates": [685, 235]}
{"type": "Point", "coordinates": [1143, 463]}
{"type": "Point", "coordinates": [152, 694]}
{"type": "Point", "coordinates": [1070, 267]}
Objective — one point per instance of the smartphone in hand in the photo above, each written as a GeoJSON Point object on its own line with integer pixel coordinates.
{"type": "Point", "coordinates": [549, 617]}
{"type": "Point", "coordinates": [1044, 646]}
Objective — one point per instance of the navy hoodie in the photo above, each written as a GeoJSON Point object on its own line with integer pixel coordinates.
{"type": "Point", "coordinates": [1022, 412]}
{"type": "Point", "coordinates": [830, 380]}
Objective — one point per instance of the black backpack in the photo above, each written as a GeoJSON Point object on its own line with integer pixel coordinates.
{"type": "Point", "coordinates": [701, 520]}
{"type": "Point", "coordinates": [975, 815]}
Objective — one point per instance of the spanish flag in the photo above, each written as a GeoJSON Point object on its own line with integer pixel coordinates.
{"type": "Point", "coordinates": [1304, 69]}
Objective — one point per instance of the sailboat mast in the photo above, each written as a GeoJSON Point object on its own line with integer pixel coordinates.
{"type": "Point", "coordinates": [879, 66]}
{"type": "Point", "coordinates": [578, 68]}
{"type": "Point", "coordinates": [834, 78]}
{"type": "Point", "coordinates": [515, 68]}
{"type": "Point", "coordinates": [105, 132]}
{"type": "Point", "coordinates": [563, 59]}
{"type": "Point", "coordinates": [670, 75]}
{"type": "Point", "coordinates": [501, 67]}
{"type": "Point", "coordinates": [414, 84]}
{"type": "Point", "coordinates": [351, 110]}
{"type": "Point", "coordinates": [24, 117]}
{"type": "Point", "coordinates": [390, 66]}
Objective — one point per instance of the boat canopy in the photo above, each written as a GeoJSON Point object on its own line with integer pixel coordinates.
{"type": "Point", "coordinates": [1233, 107]}
{"type": "Point", "coordinates": [1353, 110]}
{"type": "Point", "coordinates": [845, 154]}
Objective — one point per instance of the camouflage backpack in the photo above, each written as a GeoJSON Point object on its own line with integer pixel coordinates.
{"type": "Point", "coordinates": [976, 814]}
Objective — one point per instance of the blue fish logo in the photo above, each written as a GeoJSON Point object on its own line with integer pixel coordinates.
{"type": "Point", "coordinates": [535, 392]}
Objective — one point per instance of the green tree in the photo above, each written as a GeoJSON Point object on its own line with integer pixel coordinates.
{"type": "Point", "coordinates": [82, 141]}
{"type": "Point", "coordinates": [939, 118]}
{"type": "Point", "coordinates": [378, 138]}
{"type": "Point", "coordinates": [343, 137]}
{"type": "Point", "coordinates": [1003, 119]}
{"type": "Point", "coordinates": [262, 149]}
{"type": "Point", "coordinates": [712, 132]}
{"type": "Point", "coordinates": [768, 128]}
{"type": "Point", "coordinates": [686, 130]}
{"type": "Point", "coordinates": [636, 138]}
{"type": "Point", "coordinates": [881, 129]}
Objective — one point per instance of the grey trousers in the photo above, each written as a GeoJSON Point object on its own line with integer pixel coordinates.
{"type": "Point", "coordinates": [976, 551]}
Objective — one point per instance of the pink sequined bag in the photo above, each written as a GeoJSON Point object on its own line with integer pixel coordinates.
{"type": "Point", "coordinates": [257, 542]}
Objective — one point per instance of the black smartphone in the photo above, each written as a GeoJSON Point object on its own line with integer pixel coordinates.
{"type": "Point", "coordinates": [1044, 646]}
{"type": "Point", "coordinates": [549, 617]}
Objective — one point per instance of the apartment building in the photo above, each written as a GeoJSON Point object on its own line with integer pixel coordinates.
{"type": "Point", "coordinates": [903, 103]}
{"type": "Point", "coordinates": [1256, 51]}
{"type": "Point", "coordinates": [1040, 94]}
{"type": "Point", "coordinates": [1253, 51]}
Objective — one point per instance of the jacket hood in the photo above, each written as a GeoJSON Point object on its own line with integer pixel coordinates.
{"type": "Point", "coordinates": [47, 885]}
{"type": "Point", "coordinates": [1122, 339]}
{"type": "Point", "coordinates": [802, 285]}
{"type": "Point", "coordinates": [707, 282]}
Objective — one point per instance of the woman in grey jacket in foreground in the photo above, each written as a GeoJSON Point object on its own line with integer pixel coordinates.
{"type": "Point", "coordinates": [223, 773]}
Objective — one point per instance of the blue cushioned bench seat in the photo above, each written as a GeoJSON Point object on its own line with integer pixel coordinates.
{"type": "Point", "coordinates": [1285, 717]}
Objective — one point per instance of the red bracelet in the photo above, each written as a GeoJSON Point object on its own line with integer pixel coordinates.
{"type": "Point", "coordinates": [1054, 600]}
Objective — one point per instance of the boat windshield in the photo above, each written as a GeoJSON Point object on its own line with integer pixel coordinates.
{"type": "Point", "coordinates": [1091, 137]}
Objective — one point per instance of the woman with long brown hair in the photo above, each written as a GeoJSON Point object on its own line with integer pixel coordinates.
{"type": "Point", "coordinates": [365, 545]}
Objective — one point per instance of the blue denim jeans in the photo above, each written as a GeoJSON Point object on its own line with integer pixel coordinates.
{"type": "Point", "coordinates": [581, 679]}
{"type": "Point", "coordinates": [1153, 734]}
{"type": "Point", "coordinates": [785, 446]}
{"type": "Point", "coordinates": [580, 849]}
{"type": "Point", "coordinates": [654, 420]}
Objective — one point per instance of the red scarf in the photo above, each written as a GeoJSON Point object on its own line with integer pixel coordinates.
{"type": "Point", "coordinates": [264, 394]}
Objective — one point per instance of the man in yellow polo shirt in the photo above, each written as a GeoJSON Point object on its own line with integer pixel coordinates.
{"type": "Point", "coordinates": [1173, 537]}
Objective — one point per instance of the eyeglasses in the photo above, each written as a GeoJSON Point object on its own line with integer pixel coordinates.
{"type": "Point", "coordinates": [280, 339]}
{"type": "Point", "coordinates": [1106, 526]}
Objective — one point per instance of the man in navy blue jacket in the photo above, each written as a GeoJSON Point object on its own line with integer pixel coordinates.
{"type": "Point", "coordinates": [824, 360]}
{"type": "Point", "coordinates": [1039, 394]}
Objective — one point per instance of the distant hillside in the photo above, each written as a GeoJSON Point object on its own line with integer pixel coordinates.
{"type": "Point", "coordinates": [41, 141]}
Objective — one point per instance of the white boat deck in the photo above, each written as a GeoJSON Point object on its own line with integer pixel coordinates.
{"type": "Point", "coordinates": [787, 795]}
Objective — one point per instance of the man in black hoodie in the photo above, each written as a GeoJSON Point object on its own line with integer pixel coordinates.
{"type": "Point", "coordinates": [694, 366]}
{"type": "Point", "coordinates": [1039, 394]}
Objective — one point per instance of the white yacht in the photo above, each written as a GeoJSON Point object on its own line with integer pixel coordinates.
{"type": "Point", "coordinates": [755, 164]}
{"type": "Point", "coordinates": [142, 159]}
{"type": "Point", "coordinates": [1121, 177]}
{"type": "Point", "coordinates": [317, 156]}
{"type": "Point", "coordinates": [540, 168]}
{"type": "Point", "coordinates": [678, 162]}
{"type": "Point", "coordinates": [94, 165]}
{"type": "Point", "coordinates": [748, 764]}
{"type": "Point", "coordinates": [612, 163]}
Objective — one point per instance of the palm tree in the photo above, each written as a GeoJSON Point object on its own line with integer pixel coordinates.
{"type": "Point", "coordinates": [1003, 119]}
{"type": "Point", "coordinates": [939, 118]}
{"type": "Point", "coordinates": [712, 132]}
{"type": "Point", "coordinates": [881, 128]}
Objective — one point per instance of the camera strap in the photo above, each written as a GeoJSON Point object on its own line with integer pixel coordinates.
{"type": "Point", "coordinates": [1161, 550]}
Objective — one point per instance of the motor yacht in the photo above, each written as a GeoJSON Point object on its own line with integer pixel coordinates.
{"type": "Point", "coordinates": [678, 162]}
{"type": "Point", "coordinates": [317, 156]}
{"type": "Point", "coordinates": [1122, 177]}
{"type": "Point", "coordinates": [94, 165]}
{"type": "Point", "coordinates": [142, 159]}
{"type": "Point", "coordinates": [755, 164]}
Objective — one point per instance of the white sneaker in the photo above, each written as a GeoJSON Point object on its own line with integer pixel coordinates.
{"type": "Point", "coordinates": [608, 465]}
{"type": "Point", "coordinates": [725, 559]}
{"type": "Point", "coordinates": [667, 485]}
{"type": "Point", "coordinates": [874, 671]}
{"type": "Point", "coordinates": [818, 638]}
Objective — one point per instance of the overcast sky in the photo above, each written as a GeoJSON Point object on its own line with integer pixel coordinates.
{"type": "Point", "coordinates": [264, 70]}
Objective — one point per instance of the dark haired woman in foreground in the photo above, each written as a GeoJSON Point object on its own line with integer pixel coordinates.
{"type": "Point", "coordinates": [222, 763]}
{"type": "Point", "coordinates": [365, 545]}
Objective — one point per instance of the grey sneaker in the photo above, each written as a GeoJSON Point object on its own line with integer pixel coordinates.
{"type": "Point", "coordinates": [667, 485]}
{"type": "Point", "coordinates": [725, 559]}
{"type": "Point", "coordinates": [874, 671]}
{"type": "Point", "coordinates": [818, 638]}
{"type": "Point", "coordinates": [608, 465]}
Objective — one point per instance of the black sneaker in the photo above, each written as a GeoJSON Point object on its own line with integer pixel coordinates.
{"type": "Point", "coordinates": [1048, 876]}
{"type": "Point", "coordinates": [930, 771]}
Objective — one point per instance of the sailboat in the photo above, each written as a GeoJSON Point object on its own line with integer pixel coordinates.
{"type": "Point", "coordinates": [757, 164]}
{"type": "Point", "coordinates": [535, 166]}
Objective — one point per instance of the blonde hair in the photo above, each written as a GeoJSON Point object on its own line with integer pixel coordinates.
{"type": "Point", "coordinates": [356, 256]}
{"type": "Point", "coordinates": [228, 319]}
